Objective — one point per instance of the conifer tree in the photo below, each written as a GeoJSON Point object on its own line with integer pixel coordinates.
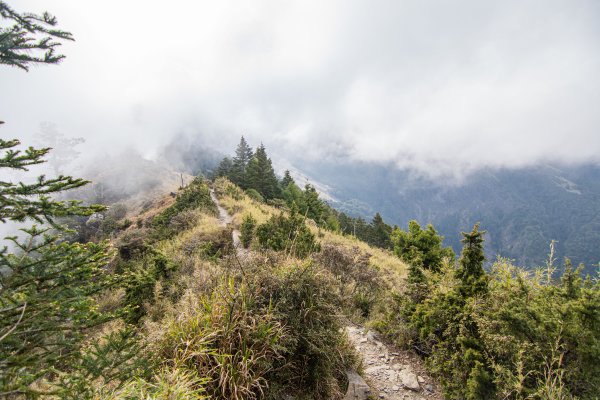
{"type": "Point", "coordinates": [261, 176]}
{"type": "Point", "coordinates": [224, 169]}
{"type": "Point", "coordinates": [286, 180]}
{"type": "Point", "coordinates": [470, 271]}
{"type": "Point", "coordinates": [380, 233]}
{"type": "Point", "coordinates": [313, 207]}
{"type": "Point", "coordinates": [47, 286]}
{"type": "Point", "coordinates": [238, 170]}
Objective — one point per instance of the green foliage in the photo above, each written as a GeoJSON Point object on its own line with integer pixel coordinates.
{"type": "Point", "coordinates": [29, 38]}
{"type": "Point", "coordinates": [261, 176]}
{"type": "Point", "coordinates": [238, 172]}
{"type": "Point", "coordinates": [195, 195]}
{"type": "Point", "coordinates": [254, 195]}
{"type": "Point", "coordinates": [470, 271]}
{"type": "Point", "coordinates": [380, 233]}
{"type": "Point", "coordinates": [47, 288]}
{"type": "Point", "coordinates": [288, 234]}
{"type": "Point", "coordinates": [377, 233]}
{"type": "Point", "coordinates": [109, 360]}
{"type": "Point", "coordinates": [420, 246]}
{"type": "Point", "coordinates": [286, 180]}
{"type": "Point", "coordinates": [224, 169]}
{"type": "Point", "coordinates": [46, 303]}
{"type": "Point", "coordinates": [247, 230]}
{"type": "Point", "coordinates": [141, 278]}
{"type": "Point", "coordinates": [508, 334]}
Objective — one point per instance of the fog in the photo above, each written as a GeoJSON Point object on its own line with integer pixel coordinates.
{"type": "Point", "coordinates": [444, 88]}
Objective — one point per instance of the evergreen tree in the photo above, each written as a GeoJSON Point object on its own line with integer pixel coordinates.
{"type": "Point", "coordinates": [380, 233]}
{"type": "Point", "coordinates": [470, 271]}
{"type": "Point", "coordinates": [286, 180]}
{"type": "Point", "coordinates": [29, 38]}
{"type": "Point", "coordinates": [426, 242]}
{"type": "Point", "coordinates": [48, 286]}
{"type": "Point", "coordinates": [313, 207]}
{"type": "Point", "coordinates": [261, 176]}
{"type": "Point", "coordinates": [224, 169]}
{"type": "Point", "coordinates": [241, 161]}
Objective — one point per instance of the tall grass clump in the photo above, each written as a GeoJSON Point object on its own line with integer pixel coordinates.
{"type": "Point", "coordinates": [263, 331]}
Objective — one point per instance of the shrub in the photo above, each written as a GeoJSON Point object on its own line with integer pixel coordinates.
{"type": "Point", "coordinates": [422, 247]}
{"type": "Point", "coordinates": [507, 334]}
{"type": "Point", "coordinates": [194, 196]}
{"type": "Point", "coordinates": [254, 195]}
{"type": "Point", "coordinates": [288, 234]}
{"type": "Point", "coordinates": [247, 230]}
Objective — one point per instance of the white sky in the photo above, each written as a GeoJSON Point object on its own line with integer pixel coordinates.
{"type": "Point", "coordinates": [441, 86]}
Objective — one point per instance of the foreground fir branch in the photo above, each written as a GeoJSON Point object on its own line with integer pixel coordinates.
{"type": "Point", "coordinates": [29, 38]}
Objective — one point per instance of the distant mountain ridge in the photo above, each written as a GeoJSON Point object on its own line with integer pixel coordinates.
{"type": "Point", "coordinates": [523, 210]}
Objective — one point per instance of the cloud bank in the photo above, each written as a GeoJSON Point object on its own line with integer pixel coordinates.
{"type": "Point", "coordinates": [441, 87]}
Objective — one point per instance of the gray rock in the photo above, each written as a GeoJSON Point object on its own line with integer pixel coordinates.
{"type": "Point", "coordinates": [357, 387]}
{"type": "Point", "coordinates": [409, 380]}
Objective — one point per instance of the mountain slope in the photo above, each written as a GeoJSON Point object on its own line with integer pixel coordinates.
{"type": "Point", "coordinates": [522, 210]}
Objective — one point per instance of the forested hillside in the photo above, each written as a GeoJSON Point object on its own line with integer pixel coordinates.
{"type": "Point", "coordinates": [522, 210]}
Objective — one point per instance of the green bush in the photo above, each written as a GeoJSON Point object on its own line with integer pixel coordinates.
{"type": "Point", "coordinates": [288, 234]}
{"type": "Point", "coordinates": [247, 230]}
{"type": "Point", "coordinates": [254, 195]}
{"type": "Point", "coordinates": [422, 247]}
{"type": "Point", "coordinates": [141, 278]}
{"type": "Point", "coordinates": [508, 334]}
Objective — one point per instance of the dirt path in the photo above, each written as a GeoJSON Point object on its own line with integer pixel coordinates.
{"type": "Point", "coordinates": [389, 373]}
{"type": "Point", "coordinates": [226, 219]}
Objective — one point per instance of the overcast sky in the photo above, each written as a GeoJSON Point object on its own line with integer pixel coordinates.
{"type": "Point", "coordinates": [441, 86]}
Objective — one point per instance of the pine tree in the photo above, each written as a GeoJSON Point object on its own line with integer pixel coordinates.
{"type": "Point", "coordinates": [380, 233]}
{"type": "Point", "coordinates": [470, 271]}
{"type": "Point", "coordinates": [286, 180]}
{"type": "Point", "coordinates": [261, 176]}
{"type": "Point", "coordinates": [224, 169]}
{"type": "Point", "coordinates": [238, 171]}
{"type": "Point", "coordinates": [313, 207]}
{"type": "Point", "coordinates": [29, 38]}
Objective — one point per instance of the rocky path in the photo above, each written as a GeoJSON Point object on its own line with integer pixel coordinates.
{"type": "Point", "coordinates": [390, 373]}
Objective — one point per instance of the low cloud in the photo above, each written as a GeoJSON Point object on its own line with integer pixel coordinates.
{"type": "Point", "coordinates": [444, 88]}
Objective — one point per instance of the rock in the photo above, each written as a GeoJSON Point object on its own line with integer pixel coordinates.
{"type": "Point", "coordinates": [381, 396]}
{"type": "Point", "coordinates": [409, 380]}
{"type": "Point", "coordinates": [420, 379]}
{"type": "Point", "coordinates": [357, 387]}
{"type": "Point", "coordinates": [395, 388]}
{"type": "Point", "coordinates": [429, 388]}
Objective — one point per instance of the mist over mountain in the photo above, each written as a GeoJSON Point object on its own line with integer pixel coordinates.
{"type": "Point", "coordinates": [522, 210]}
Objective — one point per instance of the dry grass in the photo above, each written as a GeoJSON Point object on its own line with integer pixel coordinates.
{"type": "Point", "coordinates": [393, 269]}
